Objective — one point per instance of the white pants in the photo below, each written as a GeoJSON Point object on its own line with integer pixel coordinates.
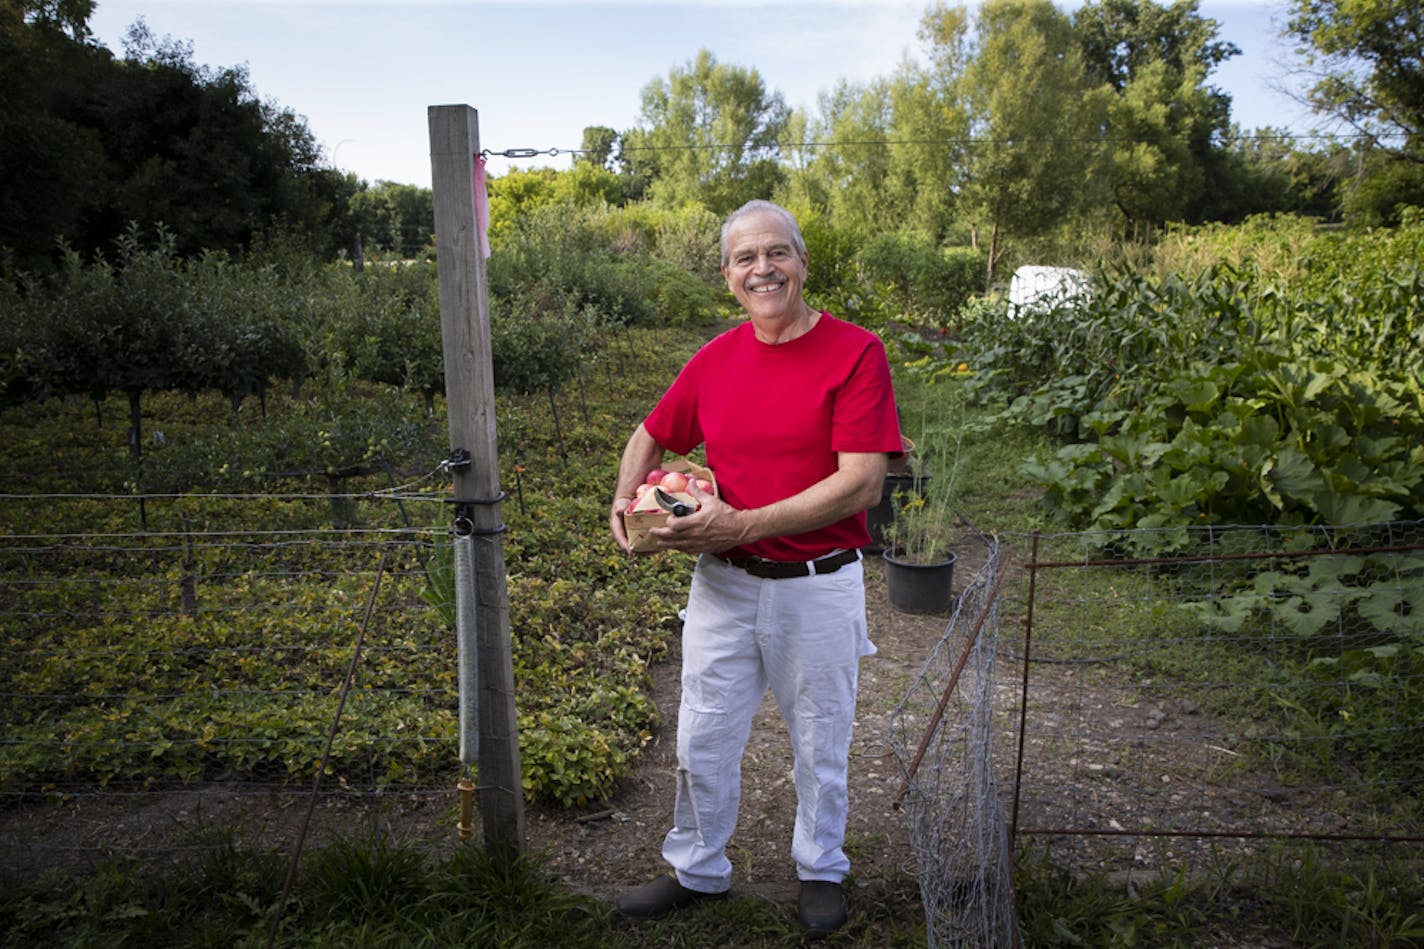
{"type": "Point", "coordinates": [802, 638]}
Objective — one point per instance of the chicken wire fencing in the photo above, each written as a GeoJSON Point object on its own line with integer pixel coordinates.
{"type": "Point", "coordinates": [1169, 704]}
{"type": "Point", "coordinates": [943, 734]}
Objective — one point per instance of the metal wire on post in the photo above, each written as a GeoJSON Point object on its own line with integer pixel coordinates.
{"type": "Point", "coordinates": [466, 636]}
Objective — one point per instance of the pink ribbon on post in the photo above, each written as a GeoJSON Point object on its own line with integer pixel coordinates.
{"type": "Point", "coordinates": [481, 206]}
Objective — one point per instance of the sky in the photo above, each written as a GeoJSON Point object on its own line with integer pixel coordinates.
{"type": "Point", "coordinates": [364, 72]}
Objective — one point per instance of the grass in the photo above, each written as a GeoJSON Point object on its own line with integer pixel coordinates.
{"type": "Point", "coordinates": [377, 891]}
{"type": "Point", "coordinates": [1291, 895]}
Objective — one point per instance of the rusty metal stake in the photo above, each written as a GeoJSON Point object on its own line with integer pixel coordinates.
{"type": "Point", "coordinates": [933, 726]}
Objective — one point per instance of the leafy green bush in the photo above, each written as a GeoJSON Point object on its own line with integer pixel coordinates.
{"type": "Point", "coordinates": [1113, 350]}
{"type": "Point", "coordinates": [1348, 295]}
{"type": "Point", "coordinates": [561, 261]}
{"type": "Point", "coordinates": [1267, 440]}
{"type": "Point", "coordinates": [1228, 394]}
{"type": "Point", "coordinates": [685, 238]}
{"type": "Point", "coordinates": [537, 351]}
{"type": "Point", "coordinates": [928, 283]}
{"type": "Point", "coordinates": [383, 325]}
{"type": "Point", "coordinates": [150, 322]}
{"type": "Point", "coordinates": [1352, 299]}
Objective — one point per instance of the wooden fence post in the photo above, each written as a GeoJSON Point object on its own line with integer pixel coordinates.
{"type": "Point", "coordinates": [469, 393]}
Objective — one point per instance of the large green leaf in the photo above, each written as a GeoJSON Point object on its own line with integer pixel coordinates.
{"type": "Point", "coordinates": [1396, 607]}
{"type": "Point", "coordinates": [1290, 476]}
{"type": "Point", "coordinates": [1307, 615]}
{"type": "Point", "coordinates": [1351, 509]}
{"type": "Point", "coordinates": [1197, 394]}
{"type": "Point", "coordinates": [1228, 614]}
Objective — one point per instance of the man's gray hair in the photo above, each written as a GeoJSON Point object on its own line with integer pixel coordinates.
{"type": "Point", "coordinates": [758, 206]}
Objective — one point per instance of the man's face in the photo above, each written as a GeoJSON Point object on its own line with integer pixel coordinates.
{"type": "Point", "coordinates": [763, 270]}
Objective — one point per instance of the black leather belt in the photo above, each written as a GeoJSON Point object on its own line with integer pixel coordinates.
{"type": "Point", "coordinates": [786, 569]}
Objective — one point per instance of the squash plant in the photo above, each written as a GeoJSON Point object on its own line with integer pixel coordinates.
{"type": "Point", "coordinates": [1261, 441]}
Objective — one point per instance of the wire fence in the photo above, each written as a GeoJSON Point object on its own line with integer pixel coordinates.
{"type": "Point", "coordinates": [1137, 703]}
{"type": "Point", "coordinates": [157, 683]}
{"type": "Point", "coordinates": [1168, 704]}
{"type": "Point", "coordinates": [944, 735]}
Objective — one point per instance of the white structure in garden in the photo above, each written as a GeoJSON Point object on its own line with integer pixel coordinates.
{"type": "Point", "coordinates": [1044, 289]}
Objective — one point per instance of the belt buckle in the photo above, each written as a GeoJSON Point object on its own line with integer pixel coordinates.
{"type": "Point", "coordinates": [776, 569]}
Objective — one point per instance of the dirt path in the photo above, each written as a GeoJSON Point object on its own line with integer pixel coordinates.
{"type": "Point", "coordinates": [617, 844]}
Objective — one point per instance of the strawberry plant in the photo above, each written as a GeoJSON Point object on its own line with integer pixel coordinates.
{"type": "Point", "coordinates": [173, 640]}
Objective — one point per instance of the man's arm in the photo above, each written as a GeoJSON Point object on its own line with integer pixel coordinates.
{"type": "Point", "coordinates": [641, 455]}
{"type": "Point", "coordinates": [854, 487]}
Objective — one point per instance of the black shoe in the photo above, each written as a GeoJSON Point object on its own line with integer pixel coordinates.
{"type": "Point", "coordinates": [821, 907]}
{"type": "Point", "coordinates": [661, 896]}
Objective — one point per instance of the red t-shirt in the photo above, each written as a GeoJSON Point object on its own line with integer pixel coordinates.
{"type": "Point", "coordinates": [774, 417]}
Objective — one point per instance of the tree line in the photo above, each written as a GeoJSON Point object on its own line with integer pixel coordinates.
{"type": "Point", "coordinates": [92, 142]}
{"type": "Point", "coordinates": [1027, 126]}
{"type": "Point", "coordinates": [1023, 129]}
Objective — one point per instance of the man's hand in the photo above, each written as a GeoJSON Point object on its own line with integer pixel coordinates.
{"type": "Point", "coordinates": [640, 456]}
{"type": "Point", "coordinates": [615, 522]}
{"type": "Point", "coordinates": [713, 527]}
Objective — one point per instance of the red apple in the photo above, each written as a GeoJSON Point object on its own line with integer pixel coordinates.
{"type": "Point", "coordinates": [673, 481]}
{"type": "Point", "coordinates": [654, 476]}
{"type": "Point", "coordinates": [642, 489]}
{"type": "Point", "coordinates": [703, 485]}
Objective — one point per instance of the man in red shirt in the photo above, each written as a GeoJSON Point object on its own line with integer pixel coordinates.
{"type": "Point", "coordinates": [797, 415]}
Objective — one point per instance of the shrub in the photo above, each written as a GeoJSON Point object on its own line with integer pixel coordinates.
{"type": "Point", "coordinates": [928, 283]}
{"type": "Point", "coordinates": [560, 262]}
